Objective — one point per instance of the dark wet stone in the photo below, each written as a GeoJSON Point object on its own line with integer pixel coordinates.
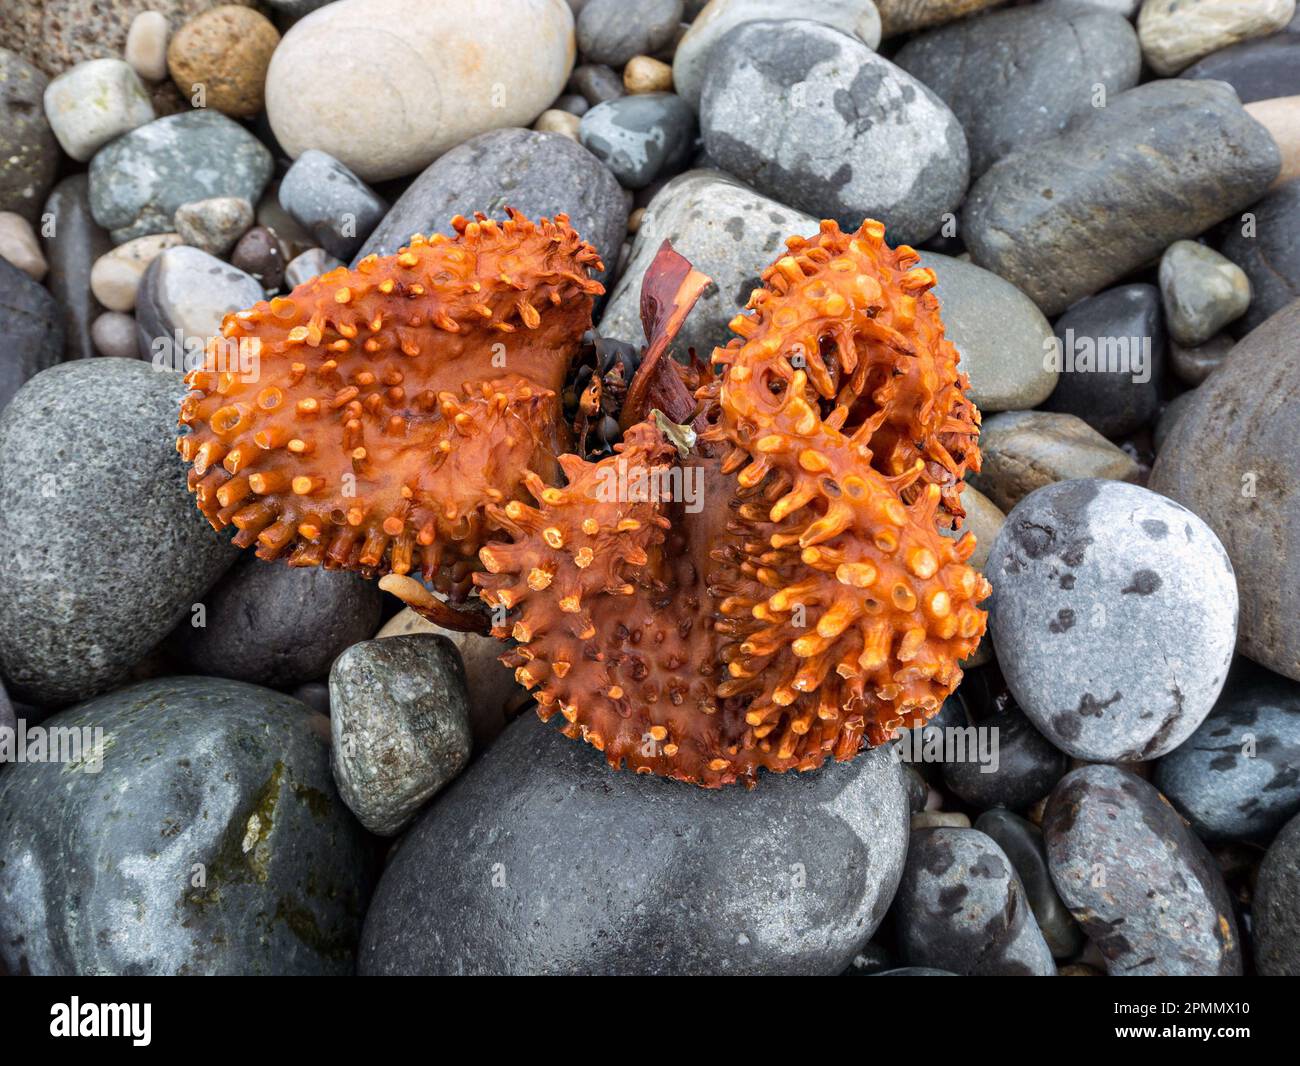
{"type": "Point", "coordinates": [259, 255]}
{"type": "Point", "coordinates": [961, 907]}
{"type": "Point", "coordinates": [1262, 241]}
{"type": "Point", "coordinates": [1260, 69]}
{"type": "Point", "coordinates": [29, 154]}
{"type": "Point", "coordinates": [1094, 584]}
{"type": "Point", "coordinates": [792, 877]}
{"type": "Point", "coordinates": [210, 841]}
{"type": "Point", "coordinates": [71, 249]}
{"type": "Point", "coordinates": [1277, 906]}
{"type": "Point", "coordinates": [1144, 889]}
{"type": "Point", "coordinates": [596, 83]}
{"type": "Point", "coordinates": [1064, 218]}
{"type": "Point", "coordinates": [1112, 352]}
{"type": "Point", "coordinates": [1025, 768]}
{"type": "Point", "coordinates": [1238, 776]}
{"type": "Point", "coordinates": [31, 330]}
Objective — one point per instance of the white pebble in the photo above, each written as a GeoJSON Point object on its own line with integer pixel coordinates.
{"type": "Point", "coordinates": [115, 277]}
{"type": "Point", "coordinates": [19, 245]}
{"type": "Point", "coordinates": [114, 334]}
{"type": "Point", "coordinates": [146, 45]}
{"type": "Point", "coordinates": [93, 102]}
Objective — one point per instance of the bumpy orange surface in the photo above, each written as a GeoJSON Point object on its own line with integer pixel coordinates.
{"type": "Point", "coordinates": [771, 594]}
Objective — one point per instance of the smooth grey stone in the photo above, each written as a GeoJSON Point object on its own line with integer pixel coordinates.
{"type": "Point", "coordinates": [29, 154]}
{"type": "Point", "coordinates": [211, 841]}
{"type": "Point", "coordinates": [1027, 766]}
{"type": "Point", "coordinates": [1193, 365]}
{"type": "Point", "coordinates": [540, 174]}
{"type": "Point", "coordinates": [139, 180]}
{"type": "Point", "coordinates": [816, 119]}
{"type": "Point", "coordinates": [596, 83]}
{"type": "Point", "coordinates": [1145, 890]}
{"type": "Point", "coordinates": [1063, 218]}
{"type": "Point", "coordinates": [727, 231]}
{"type": "Point", "coordinates": [330, 202]}
{"type": "Point", "coordinates": [1022, 842]}
{"type": "Point", "coordinates": [1015, 77]}
{"type": "Point", "coordinates": [277, 625]}
{"type": "Point", "coordinates": [1259, 69]}
{"type": "Point", "coordinates": [1202, 291]}
{"type": "Point", "coordinates": [71, 248]}
{"type": "Point", "coordinates": [400, 726]}
{"type": "Point", "coordinates": [1238, 776]}
{"type": "Point", "coordinates": [1262, 241]}
{"type": "Point", "coordinates": [183, 296]}
{"type": "Point", "coordinates": [613, 31]}
{"type": "Point", "coordinates": [1111, 349]}
{"type": "Point", "coordinates": [1002, 337]}
{"type": "Point", "coordinates": [312, 263]}
{"type": "Point", "coordinates": [88, 459]}
{"type": "Point", "coordinates": [694, 56]}
{"type": "Point", "coordinates": [791, 877]}
{"type": "Point", "coordinates": [1237, 472]}
{"type": "Point", "coordinates": [1114, 614]}
{"type": "Point", "coordinates": [113, 333]}
{"type": "Point", "coordinates": [961, 907]}
{"type": "Point", "coordinates": [640, 137]}
{"type": "Point", "coordinates": [31, 330]}
{"type": "Point", "coordinates": [573, 103]}
{"type": "Point", "coordinates": [1025, 450]}
{"type": "Point", "coordinates": [1277, 906]}
{"type": "Point", "coordinates": [1169, 416]}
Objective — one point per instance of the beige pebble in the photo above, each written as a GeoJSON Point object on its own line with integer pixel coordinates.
{"type": "Point", "coordinates": [634, 220]}
{"type": "Point", "coordinates": [19, 245]}
{"type": "Point", "coordinates": [226, 51]}
{"type": "Point", "coordinates": [1174, 33]}
{"type": "Point", "coordinates": [646, 75]}
{"type": "Point", "coordinates": [113, 333]}
{"type": "Point", "coordinates": [146, 45]}
{"type": "Point", "coordinates": [555, 121]}
{"type": "Point", "coordinates": [940, 819]}
{"type": "Point", "coordinates": [115, 277]}
{"type": "Point", "coordinates": [1281, 117]}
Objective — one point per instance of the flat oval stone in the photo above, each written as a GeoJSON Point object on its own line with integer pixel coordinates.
{"type": "Point", "coordinates": [792, 877]}
{"type": "Point", "coordinates": [1145, 890]}
{"type": "Point", "coordinates": [1114, 615]}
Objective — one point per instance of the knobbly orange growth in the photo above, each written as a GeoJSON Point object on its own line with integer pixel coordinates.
{"type": "Point", "coordinates": [811, 602]}
{"type": "Point", "coordinates": [393, 403]}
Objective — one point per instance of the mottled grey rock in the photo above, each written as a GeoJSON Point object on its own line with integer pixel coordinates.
{"type": "Point", "coordinates": [330, 202]}
{"type": "Point", "coordinates": [694, 56]}
{"type": "Point", "coordinates": [139, 180]}
{"type": "Point", "coordinates": [1277, 906]}
{"type": "Point", "coordinates": [540, 174]}
{"type": "Point", "coordinates": [1114, 613]}
{"type": "Point", "coordinates": [1111, 352]}
{"type": "Point", "coordinates": [815, 118]}
{"type": "Point", "coordinates": [29, 154]}
{"type": "Point", "coordinates": [215, 224]}
{"type": "Point", "coordinates": [400, 726]}
{"type": "Point", "coordinates": [961, 907]}
{"type": "Point", "coordinates": [1236, 471]}
{"type": "Point", "coordinates": [183, 296]}
{"type": "Point", "coordinates": [641, 137]}
{"type": "Point", "coordinates": [1025, 450]}
{"type": "Point", "coordinates": [790, 878]}
{"type": "Point", "coordinates": [277, 625]}
{"type": "Point", "coordinates": [1202, 291]}
{"type": "Point", "coordinates": [71, 246]}
{"type": "Point", "coordinates": [1193, 365]}
{"type": "Point", "coordinates": [1015, 77]}
{"type": "Point", "coordinates": [727, 231]}
{"type": "Point", "coordinates": [1026, 768]}
{"type": "Point", "coordinates": [596, 83]}
{"type": "Point", "coordinates": [613, 31]}
{"type": "Point", "coordinates": [1002, 337]}
{"type": "Point", "coordinates": [1145, 890]}
{"type": "Point", "coordinates": [311, 263]}
{"type": "Point", "coordinates": [31, 330]}
{"type": "Point", "coordinates": [211, 841]}
{"type": "Point", "coordinates": [1022, 843]}
{"type": "Point", "coordinates": [1262, 69]}
{"type": "Point", "coordinates": [1262, 241]}
{"type": "Point", "coordinates": [1067, 216]}
{"type": "Point", "coordinates": [88, 459]}
{"type": "Point", "coordinates": [1238, 776]}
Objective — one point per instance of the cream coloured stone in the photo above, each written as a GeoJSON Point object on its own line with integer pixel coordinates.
{"type": "Point", "coordinates": [386, 86]}
{"type": "Point", "coordinates": [1176, 33]}
{"type": "Point", "coordinates": [115, 277]}
{"type": "Point", "coordinates": [18, 244]}
{"type": "Point", "coordinates": [146, 45]}
{"type": "Point", "coordinates": [1281, 117]}
{"type": "Point", "coordinates": [93, 102]}
{"type": "Point", "coordinates": [556, 121]}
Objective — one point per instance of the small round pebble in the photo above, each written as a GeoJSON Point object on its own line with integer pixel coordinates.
{"type": "Point", "coordinates": [226, 52]}
{"type": "Point", "coordinates": [309, 264]}
{"type": "Point", "coordinates": [146, 45]}
{"type": "Point", "coordinates": [95, 102]}
{"type": "Point", "coordinates": [574, 103]}
{"type": "Point", "coordinates": [19, 245]}
{"type": "Point", "coordinates": [564, 123]}
{"type": "Point", "coordinates": [645, 74]}
{"type": "Point", "coordinates": [214, 224]}
{"type": "Point", "coordinates": [1202, 291]}
{"type": "Point", "coordinates": [114, 334]}
{"type": "Point", "coordinates": [115, 277]}
{"type": "Point", "coordinates": [1194, 365]}
{"type": "Point", "coordinates": [259, 253]}
{"type": "Point", "coordinates": [596, 83]}
{"type": "Point", "coordinates": [613, 31]}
